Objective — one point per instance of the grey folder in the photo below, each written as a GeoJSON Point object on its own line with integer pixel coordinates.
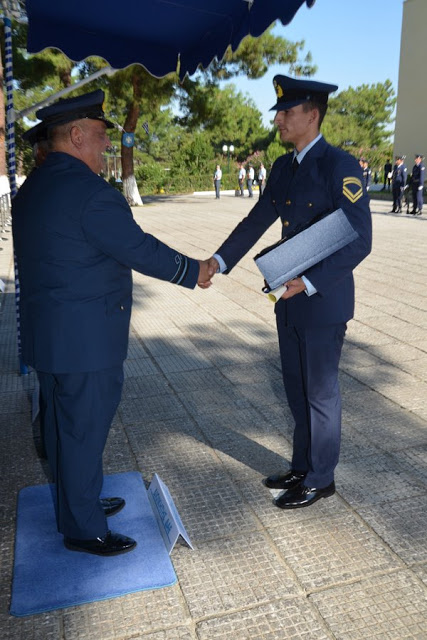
{"type": "Point", "coordinates": [291, 257]}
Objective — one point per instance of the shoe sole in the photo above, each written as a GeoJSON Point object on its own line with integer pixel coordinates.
{"type": "Point", "coordinates": [301, 506]}
{"type": "Point", "coordinates": [72, 547]}
{"type": "Point", "coordinates": [114, 512]}
{"type": "Point", "coordinates": [277, 486]}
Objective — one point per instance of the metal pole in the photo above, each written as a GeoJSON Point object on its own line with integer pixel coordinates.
{"type": "Point", "coordinates": [11, 162]}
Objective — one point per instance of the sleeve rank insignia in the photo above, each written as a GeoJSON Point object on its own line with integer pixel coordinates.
{"type": "Point", "coordinates": [352, 189]}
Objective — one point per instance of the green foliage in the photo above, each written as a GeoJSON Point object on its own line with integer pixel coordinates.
{"type": "Point", "coordinates": [254, 56]}
{"type": "Point", "coordinates": [226, 116]}
{"type": "Point", "coordinates": [189, 122]}
{"type": "Point", "coordinates": [359, 117]}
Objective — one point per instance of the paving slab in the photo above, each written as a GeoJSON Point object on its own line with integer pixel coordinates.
{"type": "Point", "coordinates": [203, 407]}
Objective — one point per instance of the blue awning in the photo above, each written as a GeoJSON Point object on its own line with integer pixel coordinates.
{"type": "Point", "coordinates": [152, 33]}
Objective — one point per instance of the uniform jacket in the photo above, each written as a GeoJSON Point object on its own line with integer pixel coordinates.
{"type": "Point", "coordinates": [399, 176]}
{"type": "Point", "coordinates": [367, 177]}
{"type": "Point", "coordinates": [76, 243]}
{"type": "Point", "coordinates": [418, 173]}
{"type": "Point", "coordinates": [327, 179]}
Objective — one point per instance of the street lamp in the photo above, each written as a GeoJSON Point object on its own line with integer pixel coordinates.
{"type": "Point", "coordinates": [228, 150]}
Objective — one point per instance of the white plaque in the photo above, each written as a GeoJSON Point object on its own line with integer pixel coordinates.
{"type": "Point", "coordinates": [166, 513]}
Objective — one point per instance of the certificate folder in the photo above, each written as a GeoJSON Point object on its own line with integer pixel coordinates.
{"type": "Point", "coordinates": [291, 256]}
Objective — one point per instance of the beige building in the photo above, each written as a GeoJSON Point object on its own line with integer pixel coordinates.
{"type": "Point", "coordinates": [411, 126]}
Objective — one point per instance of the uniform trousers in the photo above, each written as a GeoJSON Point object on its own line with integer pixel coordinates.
{"type": "Point", "coordinates": [417, 196]}
{"type": "Point", "coordinates": [397, 197]}
{"type": "Point", "coordinates": [310, 359]}
{"type": "Point", "coordinates": [78, 410]}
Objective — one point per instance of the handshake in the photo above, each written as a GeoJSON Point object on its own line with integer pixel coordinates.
{"type": "Point", "coordinates": [208, 268]}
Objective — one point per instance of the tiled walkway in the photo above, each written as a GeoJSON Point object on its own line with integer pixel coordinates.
{"type": "Point", "coordinates": [203, 406]}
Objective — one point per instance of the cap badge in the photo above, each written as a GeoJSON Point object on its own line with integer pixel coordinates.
{"type": "Point", "coordinates": [279, 90]}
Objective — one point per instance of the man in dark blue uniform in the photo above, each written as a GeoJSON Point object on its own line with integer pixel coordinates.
{"type": "Point", "coordinates": [76, 244]}
{"type": "Point", "coordinates": [418, 176]}
{"type": "Point", "coordinates": [366, 174]}
{"type": "Point", "coordinates": [312, 180]}
{"type": "Point", "coordinates": [398, 182]}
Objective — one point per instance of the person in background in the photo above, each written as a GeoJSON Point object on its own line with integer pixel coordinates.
{"type": "Point", "coordinates": [398, 182]}
{"type": "Point", "coordinates": [250, 180]}
{"type": "Point", "coordinates": [388, 172]}
{"type": "Point", "coordinates": [418, 176]}
{"type": "Point", "coordinates": [312, 315]}
{"type": "Point", "coordinates": [242, 176]}
{"type": "Point", "coordinates": [217, 181]}
{"type": "Point", "coordinates": [76, 243]}
{"type": "Point", "coordinates": [262, 178]}
{"type": "Point", "coordinates": [367, 174]}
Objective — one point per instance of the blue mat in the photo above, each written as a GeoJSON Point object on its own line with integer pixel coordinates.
{"type": "Point", "coordinates": [48, 576]}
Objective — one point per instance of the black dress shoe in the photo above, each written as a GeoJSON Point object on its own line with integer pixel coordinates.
{"type": "Point", "coordinates": [419, 213]}
{"type": "Point", "coordinates": [112, 544]}
{"type": "Point", "coordinates": [112, 506]}
{"type": "Point", "coordinates": [286, 481]}
{"type": "Point", "coordinates": [302, 496]}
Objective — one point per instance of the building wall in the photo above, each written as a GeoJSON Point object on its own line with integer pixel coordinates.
{"type": "Point", "coordinates": [411, 121]}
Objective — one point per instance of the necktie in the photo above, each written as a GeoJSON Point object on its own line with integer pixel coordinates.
{"type": "Point", "coordinates": [295, 165]}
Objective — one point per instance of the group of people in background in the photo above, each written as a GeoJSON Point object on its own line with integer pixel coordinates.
{"type": "Point", "coordinates": [400, 180]}
{"type": "Point", "coordinates": [243, 176]}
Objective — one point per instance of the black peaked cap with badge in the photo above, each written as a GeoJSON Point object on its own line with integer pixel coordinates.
{"type": "Point", "coordinates": [291, 92]}
{"type": "Point", "coordinates": [88, 105]}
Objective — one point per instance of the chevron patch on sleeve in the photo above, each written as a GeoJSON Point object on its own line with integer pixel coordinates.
{"type": "Point", "coordinates": [352, 189]}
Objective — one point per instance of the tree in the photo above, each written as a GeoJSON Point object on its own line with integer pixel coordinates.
{"type": "Point", "coordinates": [131, 92]}
{"type": "Point", "coordinates": [358, 118]}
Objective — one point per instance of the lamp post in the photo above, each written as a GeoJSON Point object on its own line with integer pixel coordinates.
{"type": "Point", "coordinates": [229, 151]}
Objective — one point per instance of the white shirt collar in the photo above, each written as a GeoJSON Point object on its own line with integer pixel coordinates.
{"type": "Point", "coordinates": [300, 156]}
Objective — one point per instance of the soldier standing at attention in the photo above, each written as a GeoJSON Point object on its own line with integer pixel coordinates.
{"type": "Point", "coordinates": [242, 176]}
{"type": "Point", "coordinates": [398, 182]}
{"type": "Point", "coordinates": [418, 175]}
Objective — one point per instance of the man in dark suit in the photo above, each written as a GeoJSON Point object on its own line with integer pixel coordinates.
{"type": "Point", "coordinates": [418, 176]}
{"type": "Point", "coordinates": [398, 182]}
{"type": "Point", "coordinates": [76, 244]}
{"type": "Point", "coordinates": [312, 180]}
{"type": "Point", "coordinates": [388, 169]}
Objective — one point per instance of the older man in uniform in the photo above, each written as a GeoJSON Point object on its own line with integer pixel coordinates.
{"type": "Point", "coordinates": [418, 176]}
{"type": "Point", "coordinates": [313, 180]}
{"type": "Point", "coordinates": [76, 244]}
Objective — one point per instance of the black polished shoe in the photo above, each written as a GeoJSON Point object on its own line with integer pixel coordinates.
{"type": "Point", "coordinates": [302, 496]}
{"type": "Point", "coordinates": [112, 506]}
{"type": "Point", "coordinates": [419, 213]}
{"type": "Point", "coordinates": [286, 481]}
{"type": "Point", "coordinates": [112, 544]}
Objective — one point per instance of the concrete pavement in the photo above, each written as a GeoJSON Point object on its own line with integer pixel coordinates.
{"type": "Point", "coordinates": [203, 406]}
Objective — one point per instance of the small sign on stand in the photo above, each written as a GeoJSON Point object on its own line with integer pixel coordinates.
{"type": "Point", "coordinates": [166, 513]}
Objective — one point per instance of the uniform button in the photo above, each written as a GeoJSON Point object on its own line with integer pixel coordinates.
{"type": "Point", "coordinates": [288, 202]}
{"type": "Point", "coordinates": [122, 308]}
{"type": "Point", "coordinates": [286, 223]}
{"type": "Point", "coordinates": [273, 201]}
{"type": "Point", "coordinates": [310, 204]}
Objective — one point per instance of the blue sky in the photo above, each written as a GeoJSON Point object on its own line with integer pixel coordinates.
{"type": "Point", "coordinates": [352, 42]}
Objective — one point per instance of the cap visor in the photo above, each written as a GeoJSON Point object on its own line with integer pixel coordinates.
{"type": "Point", "coordinates": [284, 106]}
